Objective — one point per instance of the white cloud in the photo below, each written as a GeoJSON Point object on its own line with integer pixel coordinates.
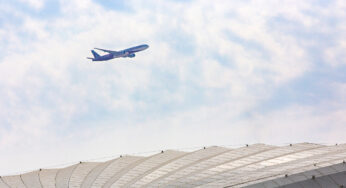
{"type": "Point", "coordinates": [36, 4]}
{"type": "Point", "coordinates": [335, 54]}
{"type": "Point", "coordinates": [185, 95]}
{"type": "Point", "coordinates": [301, 124]}
{"type": "Point", "coordinates": [36, 28]}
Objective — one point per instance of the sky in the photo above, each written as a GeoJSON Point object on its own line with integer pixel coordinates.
{"type": "Point", "coordinates": [225, 73]}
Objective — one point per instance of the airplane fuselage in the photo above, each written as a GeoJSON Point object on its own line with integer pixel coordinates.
{"type": "Point", "coordinates": [129, 52]}
{"type": "Point", "coordinates": [104, 57]}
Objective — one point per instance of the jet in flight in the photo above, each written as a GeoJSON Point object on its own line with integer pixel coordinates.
{"type": "Point", "coordinates": [130, 52]}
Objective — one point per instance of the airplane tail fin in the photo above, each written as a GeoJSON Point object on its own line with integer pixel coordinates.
{"type": "Point", "coordinates": [96, 55]}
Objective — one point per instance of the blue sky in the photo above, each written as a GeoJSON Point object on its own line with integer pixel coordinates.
{"type": "Point", "coordinates": [216, 73]}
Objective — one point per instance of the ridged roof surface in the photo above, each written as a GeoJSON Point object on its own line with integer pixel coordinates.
{"type": "Point", "coordinates": [255, 165]}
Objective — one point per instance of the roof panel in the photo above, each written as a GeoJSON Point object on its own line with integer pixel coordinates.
{"type": "Point", "coordinates": [177, 165]}
{"type": "Point", "coordinates": [237, 169]}
{"type": "Point", "coordinates": [31, 179]}
{"type": "Point", "coordinates": [339, 178]}
{"type": "Point", "coordinates": [113, 168]}
{"type": "Point", "coordinates": [63, 176]}
{"type": "Point", "coordinates": [3, 184]}
{"type": "Point", "coordinates": [326, 181]}
{"type": "Point", "coordinates": [147, 167]}
{"type": "Point", "coordinates": [208, 166]}
{"type": "Point", "coordinates": [13, 181]}
{"type": "Point", "coordinates": [47, 177]}
{"type": "Point", "coordinates": [94, 173]}
{"type": "Point", "coordinates": [79, 173]}
{"type": "Point", "coordinates": [252, 166]}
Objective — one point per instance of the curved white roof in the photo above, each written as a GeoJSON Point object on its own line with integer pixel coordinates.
{"type": "Point", "coordinates": [256, 165]}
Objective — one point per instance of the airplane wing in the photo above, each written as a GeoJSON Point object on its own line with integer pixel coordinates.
{"type": "Point", "coordinates": [108, 51]}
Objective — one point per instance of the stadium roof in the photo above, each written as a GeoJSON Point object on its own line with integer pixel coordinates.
{"type": "Point", "coordinates": [258, 165]}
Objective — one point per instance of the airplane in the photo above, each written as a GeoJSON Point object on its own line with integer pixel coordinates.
{"type": "Point", "coordinates": [130, 52]}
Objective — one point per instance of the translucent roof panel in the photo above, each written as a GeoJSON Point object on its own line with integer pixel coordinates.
{"type": "Point", "coordinates": [257, 165]}
{"type": "Point", "coordinates": [310, 178]}
{"type": "Point", "coordinates": [31, 179]}
{"type": "Point", "coordinates": [178, 164]}
{"type": "Point", "coordinates": [237, 168]}
{"type": "Point", "coordinates": [113, 168]}
{"type": "Point", "coordinates": [2, 184]}
{"type": "Point", "coordinates": [79, 174]}
{"type": "Point", "coordinates": [213, 161]}
{"type": "Point", "coordinates": [94, 173]}
{"type": "Point", "coordinates": [146, 167]}
{"type": "Point", "coordinates": [202, 173]}
{"type": "Point", "coordinates": [47, 177]}
{"type": "Point", "coordinates": [253, 172]}
{"type": "Point", "coordinates": [63, 176]}
{"type": "Point", "coordinates": [13, 181]}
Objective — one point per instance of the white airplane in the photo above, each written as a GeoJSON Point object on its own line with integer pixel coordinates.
{"type": "Point", "coordinates": [130, 52]}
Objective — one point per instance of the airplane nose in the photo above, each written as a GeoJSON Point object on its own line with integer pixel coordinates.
{"type": "Point", "coordinates": [146, 46]}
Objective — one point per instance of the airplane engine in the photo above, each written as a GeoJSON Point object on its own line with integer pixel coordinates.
{"type": "Point", "coordinates": [131, 55]}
